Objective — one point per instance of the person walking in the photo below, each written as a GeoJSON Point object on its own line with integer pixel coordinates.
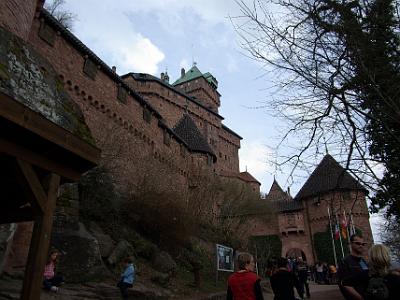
{"type": "Point", "coordinates": [302, 274]}
{"type": "Point", "coordinates": [351, 266]}
{"type": "Point", "coordinates": [283, 282]}
{"type": "Point", "coordinates": [244, 284]}
{"type": "Point", "coordinates": [127, 277]}
{"type": "Point", "coordinates": [319, 270]}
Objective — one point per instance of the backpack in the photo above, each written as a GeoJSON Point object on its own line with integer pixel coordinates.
{"type": "Point", "coordinates": [377, 289]}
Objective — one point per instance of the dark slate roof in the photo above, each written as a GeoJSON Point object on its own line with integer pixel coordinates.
{"type": "Point", "coordinates": [187, 130]}
{"type": "Point", "coordinates": [246, 176]}
{"type": "Point", "coordinates": [287, 205]}
{"type": "Point", "coordinates": [328, 176]}
{"type": "Point", "coordinates": [231, 131]}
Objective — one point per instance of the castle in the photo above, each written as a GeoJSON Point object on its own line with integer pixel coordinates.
{"type": "Point", "coordinates": [146, 125]}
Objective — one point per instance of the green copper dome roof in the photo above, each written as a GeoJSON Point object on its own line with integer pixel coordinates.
{"type": "Point", "coordinates": [194, 73]}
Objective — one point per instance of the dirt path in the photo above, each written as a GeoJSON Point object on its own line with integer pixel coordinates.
{"type": "Point", "coordinates": [318, 292]}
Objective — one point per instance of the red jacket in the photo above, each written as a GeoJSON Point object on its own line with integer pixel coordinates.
{"type": "Point", "coordinates": [242, 285]}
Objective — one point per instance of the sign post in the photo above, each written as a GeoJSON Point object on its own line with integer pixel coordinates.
{"type": "Point", "coordinates": [224, 260]}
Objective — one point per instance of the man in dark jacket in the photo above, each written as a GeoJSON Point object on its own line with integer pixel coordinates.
{"type": "Point", "coordinates": [351, 266]}
{"type": "Point", "coordinates": [283, 282]}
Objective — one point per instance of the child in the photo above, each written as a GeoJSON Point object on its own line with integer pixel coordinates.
{"type": "Point", "coordinates": [51, 280]}
{"type": "Point", "coordinates": [127, 277]}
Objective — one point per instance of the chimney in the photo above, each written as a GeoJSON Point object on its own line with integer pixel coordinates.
{"type": "Point", "coordinates": [114, 69]}
{"type": "Point", "coordinates": [288, 190]}
{"type": "Point", "coordinates": [182, 72]}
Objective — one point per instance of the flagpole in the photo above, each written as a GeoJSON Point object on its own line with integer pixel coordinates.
{"type": "Point", "coordinates": [346, 223]}
{"type": "Point", "coordinates": [333, 241]}
{"type": "Point", "coordinates": [340, 237]}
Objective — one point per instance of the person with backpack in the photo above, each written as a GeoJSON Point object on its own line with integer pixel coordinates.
{"type": "Point", "coordinates": [127, 277]}
{"type": "Point", "coordinates": [379, 283]}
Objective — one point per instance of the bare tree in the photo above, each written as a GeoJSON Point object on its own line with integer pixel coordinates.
{"type": "Point", "coordinates": [56, 9]}
{"type": "Point", "coordinates": [336, 67]}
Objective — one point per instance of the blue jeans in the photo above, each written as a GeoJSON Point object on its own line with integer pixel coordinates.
{"type": "Point", "coordinates": [55, 281]}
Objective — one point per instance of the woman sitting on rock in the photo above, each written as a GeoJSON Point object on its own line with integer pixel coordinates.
{"type": "Point", "coordinates": [51, 279]}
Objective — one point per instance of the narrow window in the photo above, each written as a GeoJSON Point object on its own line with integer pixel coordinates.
{"type": "Point", "coordinates": [90, 68]}
{"type": "Point", "coordinates": [146, 115]}
{"type": "Point", "coordinates": [167, 138]}
{"type": "Point", "coordinates": [47, 34]}
{"type": "Point", "coordinates": [121, 95]}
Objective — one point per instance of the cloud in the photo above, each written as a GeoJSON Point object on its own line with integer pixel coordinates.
{"type": "Point", "coordinates": [108, 31]}
{"type": "Point", "coordinates": [141, 56]}
{"type": "Point", "coordinates": [253, 156]}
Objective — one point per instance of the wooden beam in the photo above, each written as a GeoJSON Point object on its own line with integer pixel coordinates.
{"type": "Point", "coordinates": [40, 242]}
{"type": "Point", "coordinates": [22, 115]}
{"type": "Point", "coordinates": [39, 160]}
{"type": "Point", "coordinates": [34, 184]}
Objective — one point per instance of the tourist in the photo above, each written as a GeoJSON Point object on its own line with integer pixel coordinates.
{"type": "Point", "coordinates": [283, 282]}
{"type": "Point", "coordinates": [332, 274]}
{"type": "Point", "coordinates": [351, 266]}
{"type": "Point", "coordinates": [52, 280]}
{"type": "Point", "coordinates": [378, 282]}
{"type": "Point", "coordinates": [319, 270]}
{"type": "Point", "coordinates": [302, 274]}
{"type": "Point", "coordinates": [127, 277]}
{"type": "Point", "coordinates": [244, 284]}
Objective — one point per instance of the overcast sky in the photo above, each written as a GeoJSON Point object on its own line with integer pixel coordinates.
{"type": "Point", "coordinates": [153, 36]}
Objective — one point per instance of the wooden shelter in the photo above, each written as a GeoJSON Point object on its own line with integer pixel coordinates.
{"type": "Point", "coordinates": [36, 156]}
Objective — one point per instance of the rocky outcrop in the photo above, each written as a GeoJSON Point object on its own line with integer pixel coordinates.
{"type": "Point", "coordinates": [164, 263]}
{"type": "Point", "coordinates": [80, 258]}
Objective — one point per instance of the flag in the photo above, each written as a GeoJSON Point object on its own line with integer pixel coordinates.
{"type": "Point", "coordinates": [337, 232]}
{"type": "Point", "coordinates": [344, 226]}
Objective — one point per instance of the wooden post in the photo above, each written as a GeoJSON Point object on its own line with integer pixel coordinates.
{"type": "Point", "coordinates": [40, 242]}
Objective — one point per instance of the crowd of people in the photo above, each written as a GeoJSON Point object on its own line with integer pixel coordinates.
{"type": "Point", "coordinates": [358, 278]}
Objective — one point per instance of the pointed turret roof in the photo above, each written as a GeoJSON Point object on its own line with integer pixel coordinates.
{"type": "Point", "coordinates": [328, 176]}
{"type": "Point", "coordinates": [276, 192]}
{"type": "Point", "coordinates": [246, 176]}
{"type": "Point", "coordinates": [281, 200]}
{"type": "Point", "coordinates": [187, 130]}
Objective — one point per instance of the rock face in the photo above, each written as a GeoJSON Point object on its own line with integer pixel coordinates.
{"type": "Point", "coordinates": [80, 255]}
{"type": "Point", "coordinates": [28, 77]}
{"type": "Point", "coordinates": [106, 243]}
{"type": "Point", "coordinates": [122, 250]}
{"type": "Point", "coordinates": [163, 262]}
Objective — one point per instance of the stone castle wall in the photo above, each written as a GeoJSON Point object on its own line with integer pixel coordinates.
{"type": "Point", "coordinates": [16, 16]}
{"type": "Point", "coordinates": [312, 219]}
{"type": "Point", "coordinates": [130, 144]}
{"type": "Point", "coordinates": [172, 105]}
